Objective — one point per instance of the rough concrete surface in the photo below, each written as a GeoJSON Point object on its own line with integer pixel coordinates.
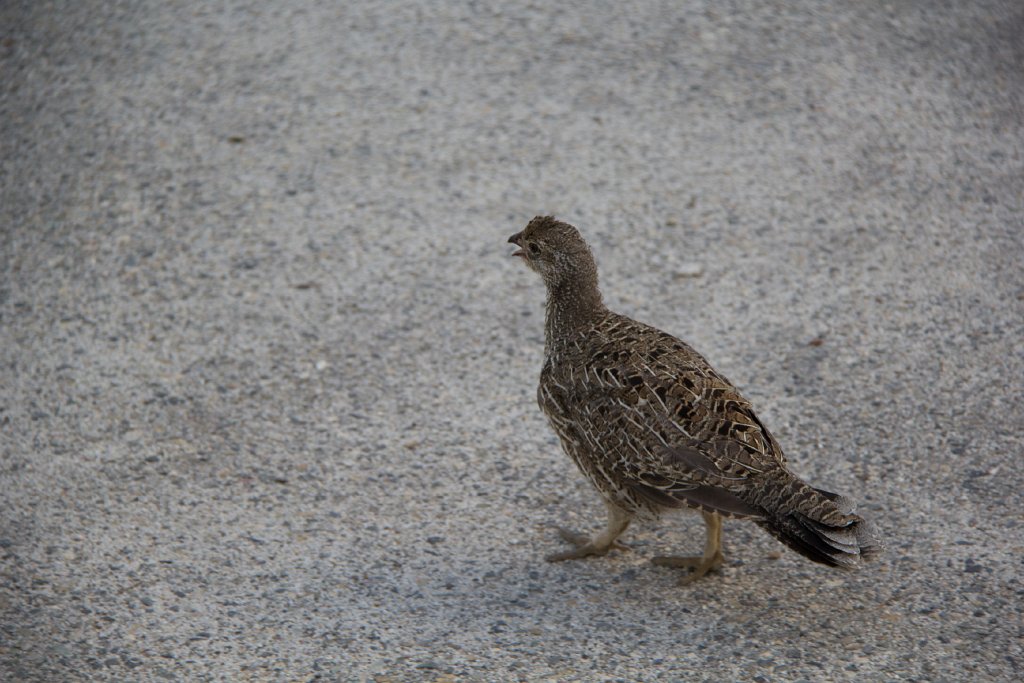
{"type": "Point", "coordinates": [268, 373]}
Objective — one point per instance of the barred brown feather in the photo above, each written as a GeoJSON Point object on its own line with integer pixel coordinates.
{"type": "Point", "coordinates": [653, 426]}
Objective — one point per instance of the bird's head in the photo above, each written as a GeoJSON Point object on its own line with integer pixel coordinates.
{"type": "Point", "coordinates": [555, 250]}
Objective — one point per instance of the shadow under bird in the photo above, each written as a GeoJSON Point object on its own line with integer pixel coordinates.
{"type": "Point", "coordinates": [654, 427]}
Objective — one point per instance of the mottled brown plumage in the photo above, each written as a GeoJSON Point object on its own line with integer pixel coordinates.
{"type": "Point", "coordinates": [654, 427]}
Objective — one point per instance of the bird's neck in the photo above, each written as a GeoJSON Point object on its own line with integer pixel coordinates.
{"type": "Point", "coordinates": [572, 305]}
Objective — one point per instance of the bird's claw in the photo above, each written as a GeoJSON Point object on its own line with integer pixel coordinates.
{"type": "Point", "coordinates": [584, 546]}
{"type": "Point", "coordinates": [698, 564]}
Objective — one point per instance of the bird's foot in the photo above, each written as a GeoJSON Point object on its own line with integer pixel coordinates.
{"type": "Point", "coordinates": [585, 546]}
{"type": "Point", "coordinates": [699, 565]}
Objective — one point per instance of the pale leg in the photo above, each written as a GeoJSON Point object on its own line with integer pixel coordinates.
{"type": "Point", "coordinates": [711, 559]}
{"type": "Point", "coordinates": [618, 520]}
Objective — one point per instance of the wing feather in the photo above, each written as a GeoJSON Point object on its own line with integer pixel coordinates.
{"type": "Point", "coordinates": [651, 442]}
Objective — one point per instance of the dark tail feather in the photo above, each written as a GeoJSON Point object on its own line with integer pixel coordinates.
{"type": "Point", "coordinates": [826, 530]}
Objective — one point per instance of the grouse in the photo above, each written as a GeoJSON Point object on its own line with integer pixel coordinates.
{"type": "Point", "coordinates": [654, 427]}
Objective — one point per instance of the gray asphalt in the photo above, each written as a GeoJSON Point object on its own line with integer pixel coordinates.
{"type": "Point", "coordinates": [267, 406]}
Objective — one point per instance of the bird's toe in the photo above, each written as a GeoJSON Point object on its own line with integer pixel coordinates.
{"type": "Point", "coordinates": [574, 537]}
{"type": "Point", "coordinates": [698, 565]}
{"type": "Point", "coordinates": [584, 546]}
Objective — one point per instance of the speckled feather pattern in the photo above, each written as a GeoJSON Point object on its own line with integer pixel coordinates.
{"type": "Point", "coordinates": [654, 427]}
{"type": "Point", "coordinates": [630, 403]}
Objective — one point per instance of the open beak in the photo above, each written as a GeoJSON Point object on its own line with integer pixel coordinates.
{"type": "Point", "coordinates": [514, 239]}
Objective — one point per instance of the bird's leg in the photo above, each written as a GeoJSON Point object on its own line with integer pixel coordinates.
{"type": "Point", "coordinates": [710, 560]}
{"type": "Point", "coordinates": [618, 520]}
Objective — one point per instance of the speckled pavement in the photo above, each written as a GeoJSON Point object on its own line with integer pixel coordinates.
{"type": "Point", "coordinates": [267, 373]}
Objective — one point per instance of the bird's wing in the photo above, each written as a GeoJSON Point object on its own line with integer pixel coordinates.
{"type": "Point", "coordinates": [675, 434]}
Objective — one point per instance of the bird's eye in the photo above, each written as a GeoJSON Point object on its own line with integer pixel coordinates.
{"type": "Point", "coordinates": [533, 247]}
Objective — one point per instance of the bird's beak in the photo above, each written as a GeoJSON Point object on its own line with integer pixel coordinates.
{"type": "Point", "coordinates": [514, 239]}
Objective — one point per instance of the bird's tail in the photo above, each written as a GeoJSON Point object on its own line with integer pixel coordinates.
{"type": "Point", "coordinates": [820, 525]}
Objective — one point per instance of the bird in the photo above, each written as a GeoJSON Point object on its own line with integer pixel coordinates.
{"type": "Point", "coordinates": [656, 428]}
